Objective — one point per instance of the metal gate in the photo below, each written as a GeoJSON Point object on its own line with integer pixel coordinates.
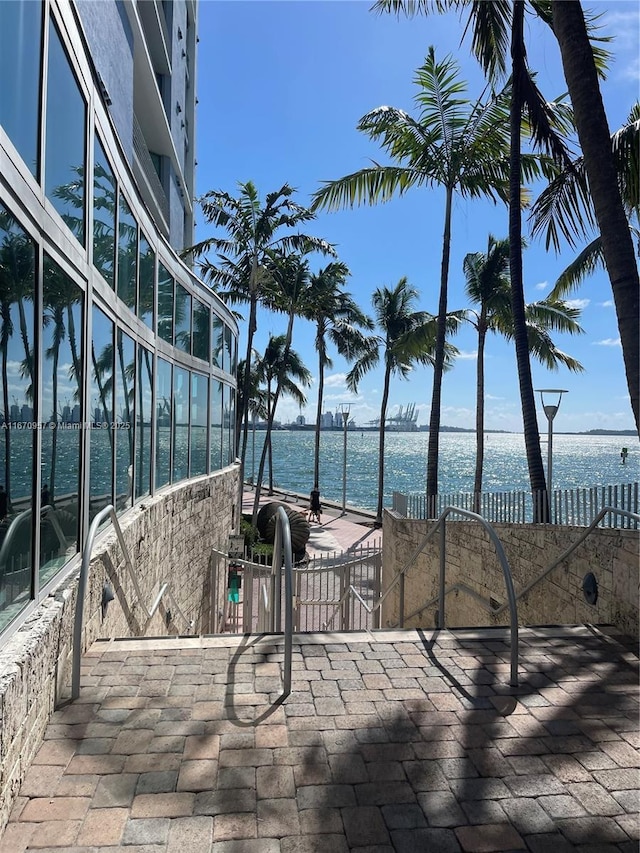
{"type": "Point", "coordinates": [335, 592]}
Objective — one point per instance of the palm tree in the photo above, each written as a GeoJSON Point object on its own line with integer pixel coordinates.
{"type": "Point", "coordinates": [291, 296]}
{"type": "Point", "coordinates": [564, 208]}
{"type": "Point", "coordinates": [257, 406]}
{"type": "Point", "coordinates": [488, 285]}
{"type": "Point", "coordinates": [459, 145]}
{"type": "Point", "coordinates": [581, 74]}
{"type": "Point", "coordinates": [338, 320]}
{"type": "Point", "coordinates": [407, 337]}
{"type": "Point", "coordinates": [253, 232]}
{"type": "Point", "coordinates": [281, 367]}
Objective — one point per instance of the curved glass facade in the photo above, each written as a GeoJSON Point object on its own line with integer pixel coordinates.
{"type": "Point", "coordinates": [116, 363]}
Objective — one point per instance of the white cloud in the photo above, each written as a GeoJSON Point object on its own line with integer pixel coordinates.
{"type": "Point", "coordinates": [542, 285]}
{"type": "Point", "coordinates": [335, 380]}
{"type": "Point", "coordinates": [578, 303]}
{"type": "Point", "coordinates": [491, 397]}
{"type": "Point", "coordinates": [470, 356]}
{"type": "Point", "coordinates": [607, 342]}
{"type": "Point", "coordinates": [608, 303]}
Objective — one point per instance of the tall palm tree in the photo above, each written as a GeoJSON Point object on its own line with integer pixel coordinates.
{"type": "Point", "coordinates": [406, 337]}
{"type": "Point", "coordinates": [454, 143]}
{"type": "Point", "coordinates": [291, 296]}
{"type": "Point", "coordinates": [488, 286]}
{"type": "Point", "coordinates": [581, 73]}
{"type": "Point", "coordinates": [283, 366]}
{"type": "Point", "coordinates": [339, 321]}
{"type": "Point", "coordinates": [252, 231]}
{"type": "Point", "coordinates": [564, 209]}
{"type": "Point", "coordinates": [257, 406]}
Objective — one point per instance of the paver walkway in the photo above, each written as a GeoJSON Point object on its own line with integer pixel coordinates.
{"type": "Point", "coordinates": [398, 742]}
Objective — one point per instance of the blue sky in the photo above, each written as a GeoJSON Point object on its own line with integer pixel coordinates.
{"type": "Point", "coordinates": [281, 88]}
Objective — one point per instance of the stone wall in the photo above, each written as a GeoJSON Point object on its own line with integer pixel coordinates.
{"type": "Point", "coordinates": [169, 537]}
{"type": "Point", "coordinates": [612, 555]}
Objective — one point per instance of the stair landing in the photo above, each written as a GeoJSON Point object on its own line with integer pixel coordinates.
{"type": "Point", "coordinates": [391, 742]}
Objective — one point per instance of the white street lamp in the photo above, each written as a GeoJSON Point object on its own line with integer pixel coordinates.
{"type": "Point", "coordinates": [551, 410]}
{"type": "Point", "coordinates": [345, 408]}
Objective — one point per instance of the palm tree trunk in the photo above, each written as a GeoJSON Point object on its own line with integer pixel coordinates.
{"type": "Point", "coordinates": [246, 390]}
{"type": "Point", "coordinates": [477, 482]}
{"type": "Point", "coordinates": [316, 448]}
{"type": "Point", "coordinates": [438, 369]}
{"type": "Point", "coordinates": [383, 418]}
{"type": "Point", "coordinates": [595, 141]}
{"type": "Point", "coordinates": [530, 422]}
{"type": "Point", "coordinates": [270, 419]}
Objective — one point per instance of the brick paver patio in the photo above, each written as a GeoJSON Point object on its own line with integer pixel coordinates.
{"type": "Point", "coordinates": [398, 741]}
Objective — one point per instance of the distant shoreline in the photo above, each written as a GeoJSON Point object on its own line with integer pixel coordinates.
{"type": "Point", "coordinates": [444, 429]}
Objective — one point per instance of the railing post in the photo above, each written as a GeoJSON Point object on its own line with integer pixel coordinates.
{"type": "Point", "coordinates": [443, 563]}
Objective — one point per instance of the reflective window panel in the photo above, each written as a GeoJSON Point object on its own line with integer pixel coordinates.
{"type": "Point", "coordinates": [143, 387]}
{"type": "Point", "coordinates": [61, 412]}
{"type": "Point", "coordinates": [225, 427]}
{"type": "Point", "coordinates": [217, 340]}
{"type": "Point", "coordinates": [147, 264]}
{"type": "Point", "coordinates": [102, 435]}
{"type": "Point", "coordinates": [199, 408]}
{"type": "Point", "coordinates": [181, 393]}
{"type": "Point", "coordinates": [163, 423]}
{"type": "Point", "coordinates": [127, 254]}
{"type": "Point", "coordinates": [226, 360]}
{"type": "Point", "coordinates": [201, 333]}
{"type": "Point", "coordinates": [232, 426]}
{"type": "Point", "coordinates": [215, 448]}
{"type": "Point", "coordinates": [165, 304]}
{"type": "Point", "coordinates": [104, 213]}
{"type": "Point", "coordinates": [20, 57]}
{"type": "Point", "coordinates": [17, 287]}
{"type": "Point", "coordinates": [65, 141]}
{"type": "Point", "coordinates": [125, 376]}
{"type": "Point", "coordinates": [183, 319]}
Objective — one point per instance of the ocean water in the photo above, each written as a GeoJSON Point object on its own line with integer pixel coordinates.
{"type": "Point", "coordinates": [579, 461]}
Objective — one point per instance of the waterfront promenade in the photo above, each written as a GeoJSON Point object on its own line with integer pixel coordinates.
{"type": "Point", "coordinates": [390, 742]}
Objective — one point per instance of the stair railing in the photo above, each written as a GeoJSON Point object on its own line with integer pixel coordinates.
{"type": "Point", "coordinates": [399, 579]}
{"type": "Point", "coordinates": [282, 554]}
{"type": "Point", "coordinates": [165, 591]}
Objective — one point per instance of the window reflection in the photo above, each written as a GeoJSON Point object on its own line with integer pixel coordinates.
{"type": "Point", "coordinates": [20, 57]}
{"type": "Point", "coordinates": [183, 319]}
{"type": "Point", "coordinates": [180, 424]}
{"type": "Point", "coordinates": [201, 333]}
{"type": "Point", "coordinates": [217, 340]}
{"type": "Point", "coordinates": [65, 142]}
{"type": "Point", "coordinates": [163, 423]}
{"type": "Point", "coordinates": [61, 437]}
{"type": "Point", "coordinates": [147, 263]}
{"type": "Point", "coordinates": [101, 414]}
{"type": "Point", "coordinates": [124, 419]}
{"type": "Point", "coordinates": [127, 254]}
{"type": "Point", "coordinates": [165, 304]}
{"type": "Point", "coordinates": [232, 425]}
{"type": "Point", "coordinates": [104, 213]}
{"type": "Point", "coordinates": [216, 425]}
{"type": "Point", "coordinates": [226, 360]}
{"type": "Point", "coordinates": [144, 412]}
{"type": "Point", "coordinates": [17, 287]}
{"type": "Point", "coordinates": [199, 406]}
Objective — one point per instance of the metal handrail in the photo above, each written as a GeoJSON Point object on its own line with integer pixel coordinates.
{"type": "Point", "coordinates": [440, 524]}
{"type": "Point", "coordinates": [165, 591]}
{"type": "Point", "coordinates": [282, 549]}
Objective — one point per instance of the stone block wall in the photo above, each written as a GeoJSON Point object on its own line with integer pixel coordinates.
{"type": "Point", "coordinates": [612, 555]}
{"type": "Point", "coordinates": [169, 537]}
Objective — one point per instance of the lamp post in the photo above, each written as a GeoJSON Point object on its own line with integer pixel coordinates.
{"type": "Point", "coordinates": [344, 410]}
{"type": "Point", "coordinates": [550, 410]}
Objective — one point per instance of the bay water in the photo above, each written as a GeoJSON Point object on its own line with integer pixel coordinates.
{"type": "Point", "coordinates": [579, 461]}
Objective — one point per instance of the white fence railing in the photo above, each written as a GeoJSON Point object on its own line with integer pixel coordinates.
{"type": "Point", "coordinates": [567, 506]}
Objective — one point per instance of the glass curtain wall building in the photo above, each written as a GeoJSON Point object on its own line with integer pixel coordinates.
{"type": "Point", "coordinates": [111, 381]}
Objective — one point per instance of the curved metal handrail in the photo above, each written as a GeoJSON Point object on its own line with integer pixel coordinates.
{"type": "Point", "coordinates": [165, 590]}
{"type": "Point", "coordinates": [282, 549]}
{"type": "Point", "coordinates": [440, 524]}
